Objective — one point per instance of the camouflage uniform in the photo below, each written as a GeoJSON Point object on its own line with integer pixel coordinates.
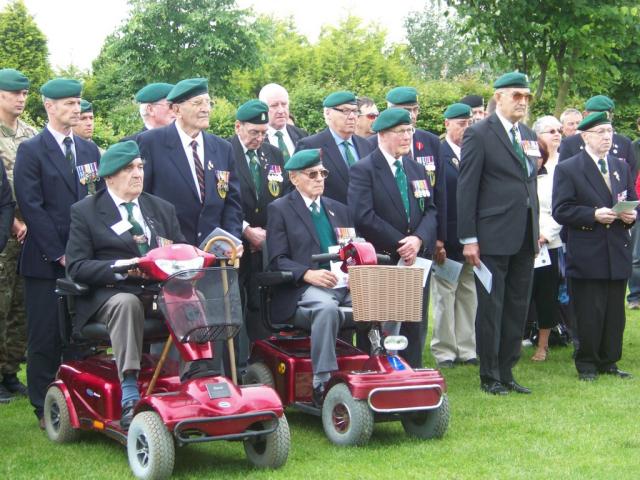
{"type": "Point", "coordinates": [13, 332]}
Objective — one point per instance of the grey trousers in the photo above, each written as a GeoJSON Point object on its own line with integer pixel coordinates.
{"type": "Point", "coordinates": [318, 311]}
{"type": "Point", "coordinates": [123, 314]}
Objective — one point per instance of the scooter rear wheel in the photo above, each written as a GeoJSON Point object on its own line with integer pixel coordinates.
{"type": "Point", "coordinates": [272, 450]}
{"type": "Point", "coordinates": [56, 417]}
{"type": "Point", "coordinates": [258, 372]}
{"type": "Point", "coordinates": [346, 421]}
{"type": "Point", "coordinates": [150, 447]}
{"type": "Point", "coordinates": [428, 424]}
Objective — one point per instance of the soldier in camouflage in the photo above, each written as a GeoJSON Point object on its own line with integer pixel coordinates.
{"type": "Point", "coordinates": [14, 87]}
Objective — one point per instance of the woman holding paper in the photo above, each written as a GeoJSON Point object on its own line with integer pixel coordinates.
{"type": "Point", "coordinates": [546, 278]}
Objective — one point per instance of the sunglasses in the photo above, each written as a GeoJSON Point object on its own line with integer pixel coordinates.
{"type": "Point", "coordinates": [324, 173]}
{"type": "Point", "coordinates": [553, 131]}
{"type": "Point", "coordinates": [370, 116]}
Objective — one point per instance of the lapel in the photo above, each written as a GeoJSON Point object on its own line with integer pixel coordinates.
{"type": "Point", "coordinates": [450, 156]}
{"type": "Point", "coordinates": [388, 181]}
{"type": "Point", "coordinates": [178, 158]}
{"type": "Point", "coordinates": [615, 177]}
{"type": "Point", "coordinates": [298, 206]}
{"type": "Point", "coordinates": [211, 167]}
{"type": "Point", "coordinates": [331, 215]}
{"type": "Point", "coordinates": [496, 125]}
{"type": "Point", "coordinates": [58, 160]}
{"type": "Point", "coordinates": [336, 162]}
{"type": "Point", "coordinates": [149, 214]}
{"type": "Point", "coordinates": [109, 214]}
{"type": "Point", "coordinates": [594, 177]}
{"type": "Point", "coordinates": [242, 168]}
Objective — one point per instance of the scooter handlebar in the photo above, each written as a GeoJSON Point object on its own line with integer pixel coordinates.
{"type": "Point", "coordinates": [325, 257]}
{"type": "Point", "coordinates": [383, 258]}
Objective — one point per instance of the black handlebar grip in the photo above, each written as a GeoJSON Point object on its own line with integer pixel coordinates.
{"type": "Point", "coordinates": [325, 257]}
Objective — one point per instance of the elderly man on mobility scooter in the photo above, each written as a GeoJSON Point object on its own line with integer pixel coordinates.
{"type": "Point", "coordinates": [140, 221]}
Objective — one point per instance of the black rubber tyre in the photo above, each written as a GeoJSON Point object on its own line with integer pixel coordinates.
{"type": "Point", "coordinates": [150, 447]}
{"type": "Point", "coordinates": [56, 417]}
{"type": "Point", "coordinates": [428, 424]}
{"type": "Point", "coordinates": [346, 421]}
{"type": "Point", "coordinates": [258, 373]}
{"type": "Point", "coordinates": [272, 450]}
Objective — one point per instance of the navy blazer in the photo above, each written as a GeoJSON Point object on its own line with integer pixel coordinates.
{"type": "Point", "coordinates": [134, 136]}
{"type": "Point", "coordinates": [45, 190]}
{"type": "Point", "coordinates": [291, 241]}
{"type": "Point", "coordinates": [296, 133]}
{"type": "Point", "coordinates": [621, 147]}
{"type": "Point", "coordinates": [426, 152]}
{"type": "Point", "coordinates": [594, 250]}
{"type": "Point", "coordinates": [451, 169]}
{"type": "Point", "coordinates": [376, 206]}
{"type": "Point", "coordinates": [337, 183]}
{"type": "Point", "coordinates": [168, 176]}
{"type": "Point", "coordinates": [495, 194]}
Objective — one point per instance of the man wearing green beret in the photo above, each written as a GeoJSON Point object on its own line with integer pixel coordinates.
{"type": "Point", "coordinates": [154, 107]}
{"type": "Point", "coordinates": [53, 170]}
{"type": "Point", "coordinates": [114, 227]}
{"type": "Point", "coordinates": [588, 191]}
{"type": "Point", "coordinates": [455, 303]}
{"type": "Point", "coordinates": [260, 167]}
{"type": "Point", "coordinates": [192, 169]}
{"type": "Point", "coordinates": [391, 202]}
{"type": "Point", "coordinates": [281, 133]}
{"type": "Point", "coordinates": [476, 102]}
{"type": "Point", "coordinates": [301, 224]}
{"type": "Point", "coordinates": [497, 204]}
{"type": "Point", "coordinates": [341, 147]}
{"type": "Point", "coordinates": [14, 88]}
{"type": "Point", "coordinates": [86, 124]}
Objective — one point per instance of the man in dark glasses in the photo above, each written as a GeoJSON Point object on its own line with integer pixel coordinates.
{"type": "Point", "coordinates": [367, 113]}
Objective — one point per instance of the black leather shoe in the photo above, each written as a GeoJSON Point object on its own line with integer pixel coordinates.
{"type": "Point", "coordinates": [587, 376]}
{"type": "Point", "coordinates": [14, 385]}
{"type": "Point", "coordinates": [317, 397]}
{"type": "Point", "coordinates": [493, 388]}
{"type": "Point", "coordinates": [471, 361]}
{"type": "Point", "coordinates": [127, 414]}
{"type": "Point", "coordinates": [445, 364]}
{"type": "Point", "coordinates": [5, 395]}
{"type": "Point", "coordinates": [516, 387]}
{"type": "Point", "coordinates": [618, 373]}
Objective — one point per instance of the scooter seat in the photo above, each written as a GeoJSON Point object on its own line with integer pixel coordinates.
{"type": "Point", "coordinates": [154, 329]}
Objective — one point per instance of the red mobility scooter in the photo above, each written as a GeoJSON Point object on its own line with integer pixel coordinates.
{"type": "Point", "coordinates": [368, 387]}
{"type": "Point", "coordinates": [197, 304]}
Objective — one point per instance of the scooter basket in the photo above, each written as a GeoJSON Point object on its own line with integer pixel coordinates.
{"type": "Point", "coordinates": [381, 293]}
{"type": "Point", "coordinates": [202, 305]}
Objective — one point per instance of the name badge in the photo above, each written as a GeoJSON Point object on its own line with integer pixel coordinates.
{"type": "Point", "coordinates": [121, 227]}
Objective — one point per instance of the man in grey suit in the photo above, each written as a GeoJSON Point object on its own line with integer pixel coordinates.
{"type": "Point", "coordinates": [498, 226]}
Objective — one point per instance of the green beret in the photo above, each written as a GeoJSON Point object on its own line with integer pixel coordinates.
{"type": "Point", "coordinates": [12, 80]}
{"type": "Point", "coordinates": [154, 92]}
{"type": "Point", "coordinates": [186, 89]}
{"type": "Point", "coordinates": [61, 88]}
{"type": "Point", "coordinates": [117, 157]}
{"type": "Point", "coordinates": [599, 103]}
{"type": "Point", "coordinates": [304, 159]}
{"type": "Point", "coordinates": [391, 117]}
{"type": "Point", "coordinates": [253, 111]}
{"type": "Point", "coordinates": [402, 95]}
{"type": "Point", "coordinates": [512, 79]}
{"type": "Point", "coordinates": [339, 98]}
{"type": "Point", "coordinates": [457, 110]}
{"type": "Point", "coordinates": [85, 106]}
{"type": "Point", "coordinates": [593, 120]}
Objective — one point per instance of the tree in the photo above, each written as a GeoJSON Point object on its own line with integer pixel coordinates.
{"type": "Point", "coordinates": [24, 47]}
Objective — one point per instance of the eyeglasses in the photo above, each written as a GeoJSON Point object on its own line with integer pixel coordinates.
{"type": "Point", "coordinates": [553, 131]}
{"type": "Point", "coordinates": [201, 103]}
{"type": "Point", "coordinates": [346, 111]}
{"type": "Point", "coordinates": [370, 116]}
{"type": "Point", "coordinates": [313, 174]}
{"type": "Point", "coordinates": [602, 131]}
{"type": "Point", "coordinates": [519, 96]}
{"type": "Point", "coordinates": [403, 131]}
{"type": "Point", "coordinates": [256, 133]}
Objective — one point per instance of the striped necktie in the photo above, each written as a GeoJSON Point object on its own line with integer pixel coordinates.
{"type": "Point", "coordinates": [199, 169]}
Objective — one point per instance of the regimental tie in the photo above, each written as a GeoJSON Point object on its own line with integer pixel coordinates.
{"type": "Point", "coordinates": [603, 166]}
{"type": "Point", "coordinates": [283, 146]}
{"type": "Point", "coordinates": [518, 148]}
{"type": "Point", "coordinates": [254, 164]}
{"type": "Point", "coordinates": [347, 154]}
{"type": "Point", "coordinates": [136, 230]}
{"type": "Point", "coordinates": [315, 211]}
{"type": "Point", "coordinates": [401, 181]}
{"type": "Point", "coordinates": [199, 169]}
{"type": "Point", "coordinates": [68, 154]}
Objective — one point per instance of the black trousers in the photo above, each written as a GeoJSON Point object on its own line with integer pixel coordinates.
{"type": "Point", "coordinates": [43, 338]}
{"type": "Point", "coordinates": [502, 314]}
{"type": "Point", "coordinates": [546, 281]}
{"type": "Point", "coordinates": [600, 321]}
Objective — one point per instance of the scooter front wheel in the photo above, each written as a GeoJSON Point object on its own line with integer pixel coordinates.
{"type": "Point", "coordinates": [271, 450]}
{"type": "Point", "coordinates": [429, 423]}
{"type": "Point", "coordinates": [346, 421]}
{"type": "Point", "coordinates": [150, 447]}
{"type": "Point", "coordinates": [56, 417]}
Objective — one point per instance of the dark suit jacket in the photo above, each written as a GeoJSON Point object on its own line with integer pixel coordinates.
{"type": "Point", "coordinates": [45, 190]}
{"type": "Point", "coordinates": [167, 175]}
{"type": "Point", "coordinates": [93, 246]}
{"type": "Point", "coordinates": [494, 192]}
{"type": "Point", "coordinates": [134, 136]}
{"type": "Point", "coordinates": [450, 176]}
{"type": "Point", "coordinates": [426, 152]}
{"type": "Point", "coordinates": [594, 250]}
{"type": "Point", "coordinates": [296, 133]}
{"type": "Point", "coordinates": [291, 241]}
{"type": "Point", "coordinates": [376, 206]}
{"type": "Point", "coordinates": [621, 148]}
{"type": "Point", "coordinates": [7, 207]}
{"type": "Point", "coordinates": [337, 183]}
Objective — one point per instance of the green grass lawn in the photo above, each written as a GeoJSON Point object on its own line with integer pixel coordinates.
{"type": "Point", "coordinates": [565, 430]}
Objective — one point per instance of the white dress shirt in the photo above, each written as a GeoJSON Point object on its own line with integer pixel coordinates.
{"type": "Point", "coordinates": [59, 137]}
{"type": "Point", "coordinates": [188, 150]}
{"type": "Point", "coordinates": [273, 140]}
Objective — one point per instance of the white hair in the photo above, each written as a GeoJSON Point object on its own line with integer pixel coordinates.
{"type": "Point", "coordinates": [143, 110]}
{"type": "Point", "coordinates": [269, 89]}
{"type": "Point", "coordinates": [569, 111]}
{"type": "Point", "coordinates": [546, 121]}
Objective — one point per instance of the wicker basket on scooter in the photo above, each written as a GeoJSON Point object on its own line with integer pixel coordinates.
{"type": "Point", "coordinates": [381, 293]}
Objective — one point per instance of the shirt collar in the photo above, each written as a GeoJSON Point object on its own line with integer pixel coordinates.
{"type": "Point", "coordinates": [506, 123]}
{"type": "Point", "coordinates": [60, 136]}
{"type": "Point", "coordinates": [456, 149]}
{"type": "Point", "coordinates": [391, 160]}
{"type": "Point", "coordinates": [338, 139]}
{"type": "Point", "coordinates": [272, 131]}
{"type": "Point", "coordinates": [186, 139]}
{"type": "Point", "coordinates": [308, 201]}
{"type": "Point", "coordinates": [593, 156]}
{"type": "Point", "coordinates": [119, 201]}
